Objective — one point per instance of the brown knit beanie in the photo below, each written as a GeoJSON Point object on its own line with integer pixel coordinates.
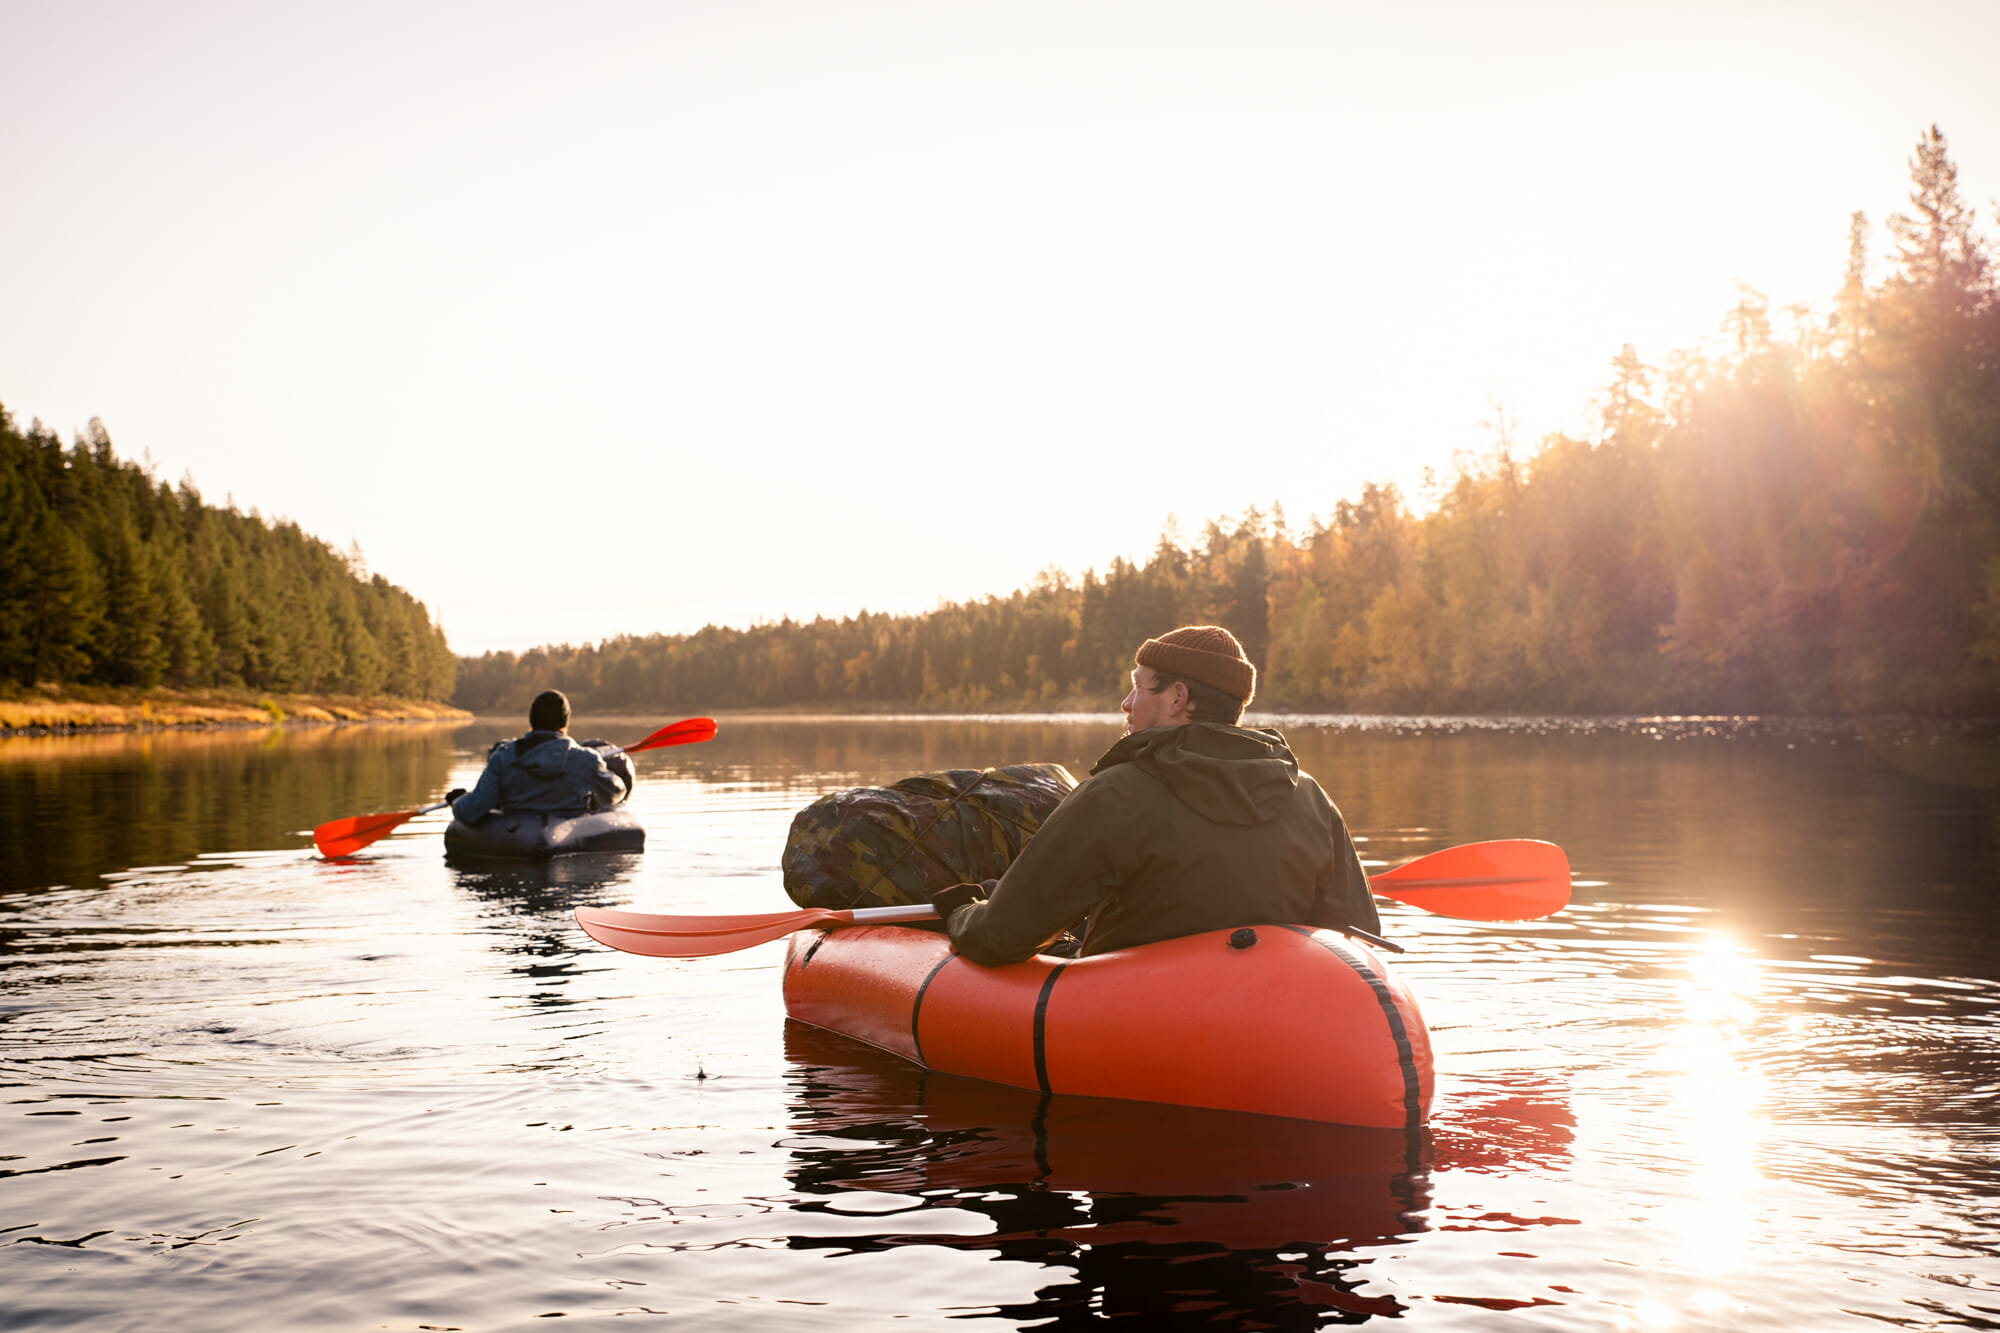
{"type": "Point", "coordinates": [1206, 653]}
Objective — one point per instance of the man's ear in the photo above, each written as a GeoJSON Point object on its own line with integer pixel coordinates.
{"type": "Point", "coordinates": [1182, 703]}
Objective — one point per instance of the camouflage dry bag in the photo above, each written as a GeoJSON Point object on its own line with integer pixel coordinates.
{"type": "Point", "coordinates": [875, 846]}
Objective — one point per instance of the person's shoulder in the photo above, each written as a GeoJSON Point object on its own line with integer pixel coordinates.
{"type": "Point", "coordinates": [1270, 736]}
{"type": "Point", "coordinates": [1110, 778]}
{"type": "Point", "coordinates": [1113, 785]}
{"type": "Point", "coordinates": [1105, 800]}
{"type": "Point", "coordinates": [1314, 796]}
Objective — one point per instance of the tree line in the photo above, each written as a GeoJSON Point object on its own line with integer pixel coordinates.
{"type": "Point", "coordinates": [1804, 520]}
{"type": "Point", "coordinates": [110, 577]}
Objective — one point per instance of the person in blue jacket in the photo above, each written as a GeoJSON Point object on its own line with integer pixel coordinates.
{"type": "Point", "coordinates": [544, 770]}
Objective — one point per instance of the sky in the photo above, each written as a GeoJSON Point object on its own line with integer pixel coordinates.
{"type": "Point", "coordinates": [604, 318]}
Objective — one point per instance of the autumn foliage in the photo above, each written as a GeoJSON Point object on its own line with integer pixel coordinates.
{"type": "Point", "coordinates": [1804, 520]}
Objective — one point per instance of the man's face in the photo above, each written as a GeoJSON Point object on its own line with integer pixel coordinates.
{"type": "Point", "coordinates": [1150, 706]}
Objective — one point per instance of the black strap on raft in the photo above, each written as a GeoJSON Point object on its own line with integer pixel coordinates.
{"type": "Point", "coordinates": [1406, 1056]}
{"type": "Point", "coordinates": [813, 948]}
{"type": "Point", "coordinates": [917, 1007]}
{"type": "Point", "coordinates": [1041, 1027]}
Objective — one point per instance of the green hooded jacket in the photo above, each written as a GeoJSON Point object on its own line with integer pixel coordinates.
{"type": "Point", "coordinates": [1177, 830]}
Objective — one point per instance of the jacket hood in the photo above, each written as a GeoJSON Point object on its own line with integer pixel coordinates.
{"type": "Point", "coordinates": [544, 753]}
{"type": "Point", "coordinates": [1232, 775]}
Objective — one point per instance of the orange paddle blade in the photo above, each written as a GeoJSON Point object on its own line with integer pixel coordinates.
{"type": "Point", "coordinates": [344, 837]}
{"type": "Point", "coordinates": [658, 936]}
{"type": "Point", "coordinates": [1513, 879]}
{"type": "Point", "coordinates": [684, 732]}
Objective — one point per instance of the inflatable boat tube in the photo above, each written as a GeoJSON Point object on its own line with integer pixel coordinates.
{"type": "Point", "coordinates": [536, 835]}
{"type": "Point", "coordinates": [1274, 1020]}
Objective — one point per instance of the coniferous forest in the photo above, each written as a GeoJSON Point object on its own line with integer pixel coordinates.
{"type": "Point", "coordinates": [110, 577]}
{"type": "Point", "coordinates": [1805, 520]}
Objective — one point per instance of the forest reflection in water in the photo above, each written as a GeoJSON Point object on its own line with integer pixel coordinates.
{"type": "Point", "coordinates": [111, 801]}
{"type": "Point", "coordinates": [1747, 1078]}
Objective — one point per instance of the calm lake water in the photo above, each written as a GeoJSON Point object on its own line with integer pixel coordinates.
{"type": "Point", "coordinates": [1749, 1079]}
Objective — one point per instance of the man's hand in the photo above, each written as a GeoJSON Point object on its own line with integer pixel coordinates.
{"type": "Point", "coordinates": [454, 794]}
{"type": "Point", "coordinates": [947, 901]}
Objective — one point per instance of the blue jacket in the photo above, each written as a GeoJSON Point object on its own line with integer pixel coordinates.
{"type": "Point", "coordinates": [546, 770]}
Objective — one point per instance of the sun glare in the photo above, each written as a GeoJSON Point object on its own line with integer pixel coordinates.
{"type": "Point", "coordinates": [1716, 1099]}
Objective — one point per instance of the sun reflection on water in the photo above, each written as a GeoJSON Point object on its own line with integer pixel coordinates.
{"type": "Point", "coordinates": [1716, 1098]}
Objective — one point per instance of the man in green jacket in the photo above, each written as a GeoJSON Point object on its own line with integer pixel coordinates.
{"type": "Point", "coordinates": [1189, 823]}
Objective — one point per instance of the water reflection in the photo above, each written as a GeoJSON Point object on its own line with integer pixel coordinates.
{"type": "Point", "coordinates": [1747, 1080]}
{"type": "Point", "coordinates": [1182, 1215]}
{"type": "Point", "coordinates": [551, 888]}
{"type": "Point", "coordinates": [528, 908]}
{"type": "Point", "coordinates": [107, 802]}
{"type": "Point", "coordinates": [1187, 1217]}
{"type": "Point", "coordinates": [1717, 1097]}
{"type": "Point", "coordinates": [1499, 1126]}
{"type": "Point", "coordinates": [1842, 810]}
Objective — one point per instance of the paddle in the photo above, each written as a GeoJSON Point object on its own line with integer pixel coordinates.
{"type": "Point", "coordinates": [345, 837]}
{"type": "Point", "coordinates": [658, 936]}
{"type": "Point", "coordinates": [1512, 880]}
{"type": "Point", "coordinates": [684, 732]}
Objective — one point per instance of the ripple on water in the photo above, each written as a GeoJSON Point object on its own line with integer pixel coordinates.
{"type": "Point", "coordinates": [1746, 1080]}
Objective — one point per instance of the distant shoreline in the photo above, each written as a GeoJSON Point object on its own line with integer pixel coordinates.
{"type": "Point", "coordinates": [1658, 726]}
{"type": "Point", "coordinates": [86, 709]}
{"type": "Point", "coordinates": [81, 709]}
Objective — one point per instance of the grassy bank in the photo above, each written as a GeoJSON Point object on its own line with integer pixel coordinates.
{"type": "Point", "coordinates": [111, 708]}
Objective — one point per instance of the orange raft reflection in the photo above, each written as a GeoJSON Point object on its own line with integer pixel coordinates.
{"type": "Point", "coordinates": [1107, 1170]}
{"type": "Point", "coordinates": [1278, 1021]}
{"type": "Point", "coordinates": [1150, 1211]}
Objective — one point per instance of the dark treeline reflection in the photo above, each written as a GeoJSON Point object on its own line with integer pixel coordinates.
{"type": "Point", "coordinates": [78, 806]}
{"type": "Point", "coordinates": [1861, 832]}
{"type": "Point", "coordinates": [1184, 1217]}
{"type": "Point", "coordinates": [1851, 816]}
{"type": "Point", "coordinates": [1805, 522]}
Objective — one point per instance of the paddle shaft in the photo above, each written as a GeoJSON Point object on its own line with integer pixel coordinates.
{"type": "Point", "coordinates": [897, 913]}
{"type": "Point", "coordinates": [656, 936]}
{"type": "Point", "coordinates": [1508, 880]}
